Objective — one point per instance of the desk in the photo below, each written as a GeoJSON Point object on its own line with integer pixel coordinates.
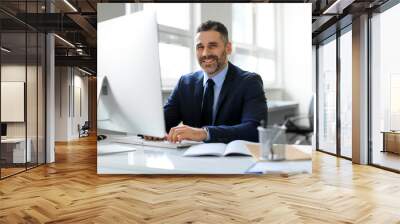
{"type": "Point", "coordinates": [279, 111]}
{"type": "Point", "coordinates": [391, 141]}
{"type": "Point", "coordinates": [16, 151]}
{"type": "Point", "coordinates": [116, 158]}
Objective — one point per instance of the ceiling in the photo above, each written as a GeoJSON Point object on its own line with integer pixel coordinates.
{"type": "Point", "coordinates": [77, 23]}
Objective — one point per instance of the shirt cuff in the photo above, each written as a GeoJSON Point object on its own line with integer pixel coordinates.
{"type": "Point", "coordinates": [208, 134]}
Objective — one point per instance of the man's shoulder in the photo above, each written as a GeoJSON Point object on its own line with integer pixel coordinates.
{"type": "Point", "coordinates": [191, 77]}
{"type": "Point", "coordinates": [243, 74]}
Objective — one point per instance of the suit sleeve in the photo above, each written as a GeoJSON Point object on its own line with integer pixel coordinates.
{"type": "Point", "coordinates": [172, 110]}
{"type": "Point", "coordinates": [253, 111]}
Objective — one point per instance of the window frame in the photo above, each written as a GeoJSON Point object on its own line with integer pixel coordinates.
{"type": "Point", "coordinates": [173, 35]}
{"type": "Point", "coordinates": [176, 36]}
{"type": "Point", "coordinates": [371, 75]}
{"type": "Point", "coordinates": [261, 52]}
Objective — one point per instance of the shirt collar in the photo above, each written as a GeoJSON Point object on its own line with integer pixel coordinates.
{"type": "Point", "coordinates": [218, 78]}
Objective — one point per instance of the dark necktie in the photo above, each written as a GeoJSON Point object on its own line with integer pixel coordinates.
{"type": "Point", "coordinates": [207, 105]}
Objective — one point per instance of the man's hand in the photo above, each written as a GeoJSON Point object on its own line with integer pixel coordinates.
{"type": "Point", "coordinates": [184, 132]}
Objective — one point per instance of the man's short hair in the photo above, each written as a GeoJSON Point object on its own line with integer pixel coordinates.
{"type": "Point", "coordinates": [216, 26]}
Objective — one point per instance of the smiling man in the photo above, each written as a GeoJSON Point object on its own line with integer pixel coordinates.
{"type": "Point", "coordinates": [220, 103]}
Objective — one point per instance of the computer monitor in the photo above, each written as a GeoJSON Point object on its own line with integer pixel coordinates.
{"type": "Point", "coordinates": [129, 74]}
{"type": "Point", "coordinates": [3, 129]}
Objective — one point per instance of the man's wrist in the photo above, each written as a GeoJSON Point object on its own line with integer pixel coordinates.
{"type": "Point", "coordinates": [207, 134]}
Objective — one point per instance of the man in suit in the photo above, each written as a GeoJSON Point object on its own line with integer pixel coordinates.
{"type": "Point", "coordinates": [220, 103]}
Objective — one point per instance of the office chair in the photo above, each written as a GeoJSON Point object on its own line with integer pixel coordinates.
{"type": "Point", "coordinates": [84, 130]}
{"type": "Point", "coordinates": [294, 126]}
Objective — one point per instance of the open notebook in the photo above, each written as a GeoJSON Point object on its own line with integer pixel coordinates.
{"type": "Point", "coordinates": [237, 147]}
{"type": "Point", "coordinates": [244, 148]}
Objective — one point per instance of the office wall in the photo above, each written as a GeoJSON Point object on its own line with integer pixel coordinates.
{"type": "Point", "coordinates": [110, 10]}
{"type": "Point", "coordinates": [62, 80]}
{"type": "Point", "coordinates": [314, 90]}
{"type": "Point", "coordinates": [15, 72]}
{"type": "Point", "coordinates": [34, 125]}
{"type": "Point", "coordinates": [297, 55]}
{"type": "Point", "coordinates": [80, 104]}
{"type": "Point", "coordinates": [219, 12]}
{"type": "Point", "coordinates": [9, 73]}
{"type": "Point", "coordinates": [92, 107]}
{"type": "Point", "coordinates": [295, 51]}
{"type": "Point", "coordinates": [24, 62]}
{"type": "Point", "coordinates": [12, 98]}
{"type": "Point", "coordinates": [71, 102]}
{"type": "Point", "coordinates": [294, 62]}
{"type": "Point", "coordinates": [314, 69]}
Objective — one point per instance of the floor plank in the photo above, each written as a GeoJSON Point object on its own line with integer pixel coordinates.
{"type": "Point", "coordinates": [70, 191]}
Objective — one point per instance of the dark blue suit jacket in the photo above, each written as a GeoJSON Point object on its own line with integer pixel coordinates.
{"type": "Point", "coordinates": [240, 108]}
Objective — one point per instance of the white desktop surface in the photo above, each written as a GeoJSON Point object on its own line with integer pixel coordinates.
{"type": "Point", "coordinates": [19, 149]}
{"type": "Point", "coordinates": [13, 140]}
{"type": "Point", "coordinates": [117, 158]}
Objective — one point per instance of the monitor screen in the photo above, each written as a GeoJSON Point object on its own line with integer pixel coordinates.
{"type": "Point", "coordinates": [130, 99]}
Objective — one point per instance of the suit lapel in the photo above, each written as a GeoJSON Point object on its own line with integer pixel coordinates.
{"type": "Point", "coordinates": [198, 98]}
{"type": "Point", "coordinates": [226, 86]}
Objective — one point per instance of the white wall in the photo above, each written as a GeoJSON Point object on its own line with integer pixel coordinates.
{"type": "Point", "coordinates": [221, 12]}
{"type": "Point", "coordinates": [15, 72]}
{"type": "Point", "coordinates": [79, 117]}
{"type": "Point", "coordinates": [61, 103]}
{"type": "Point", "coordinates": [314, 90]}
{"type": "Point", "coordinates": [67, 114]}
{"type": "Point", "coordinates": [296, 45]}
{"type": "Point", "coordinates": [297, 81]}
{"type": "Point", "coordinates": [297, 55]}
{"type": "Point", "coordinates": [106, 11]}
{"type": "Point", "coordinates": [50, 94]}
{"type": "Point", "coordinates": [12, 73]}
{"type": "Point", "coordinates": [34, 124]}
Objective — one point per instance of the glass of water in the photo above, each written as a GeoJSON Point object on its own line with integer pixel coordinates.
{"type": "Point", "coordinates": [267, 137]}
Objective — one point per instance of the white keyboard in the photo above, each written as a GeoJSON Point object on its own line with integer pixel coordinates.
{"type": "Point", "coordinates": [162, 144]}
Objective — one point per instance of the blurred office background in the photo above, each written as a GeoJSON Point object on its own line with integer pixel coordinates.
{"type": "Point", "coordinates": [341, 54]}
{"type": "Point", "coordinates": [270, 39]}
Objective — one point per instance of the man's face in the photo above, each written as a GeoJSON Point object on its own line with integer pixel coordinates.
{"type": "Point", "coordinates": [212, 51]}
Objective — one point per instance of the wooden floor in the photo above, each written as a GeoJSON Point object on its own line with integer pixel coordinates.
{"type": "Point", "coordinates": [386, 159]}
{"type": "Point", "coordinates": [70, 191]}
{"type": "Point", "coordinates": [10, 171]}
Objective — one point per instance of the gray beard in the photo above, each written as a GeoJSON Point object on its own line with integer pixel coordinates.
{"type": "Point", "coordinates": [220, 64]}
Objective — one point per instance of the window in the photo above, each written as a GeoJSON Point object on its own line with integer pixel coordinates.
{"type": "Point", "coordinates": [22, 76]}
{"type": "Point", "coordinates": [265, 26]}
{"type": "Point", "coordinates": [242, 15]}
{"type": "Point", "coordinates": [175, 40]}
{"type": "Point", "coordinates": [346, 94]}
{"type": "Point", "coordinates": [170, 56]}
{"type": "Point", "coordinates": [253, 37]}
{"type": "Point", "coordinates": [385, 86]}
{"type": "Point", "coordinates": [394, 101]}
{"type": "Point", "coordinates": [171, 15]}
{"type": "Point", "coordinates": [254, 31]}
{"type": "Point", "coordinates": [249, 63]}
{"type": "Point", "coordinates": [327, 96]}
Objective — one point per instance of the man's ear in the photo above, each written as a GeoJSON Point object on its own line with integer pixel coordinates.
{"type": "Point", "coordinates": [228, 48]}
